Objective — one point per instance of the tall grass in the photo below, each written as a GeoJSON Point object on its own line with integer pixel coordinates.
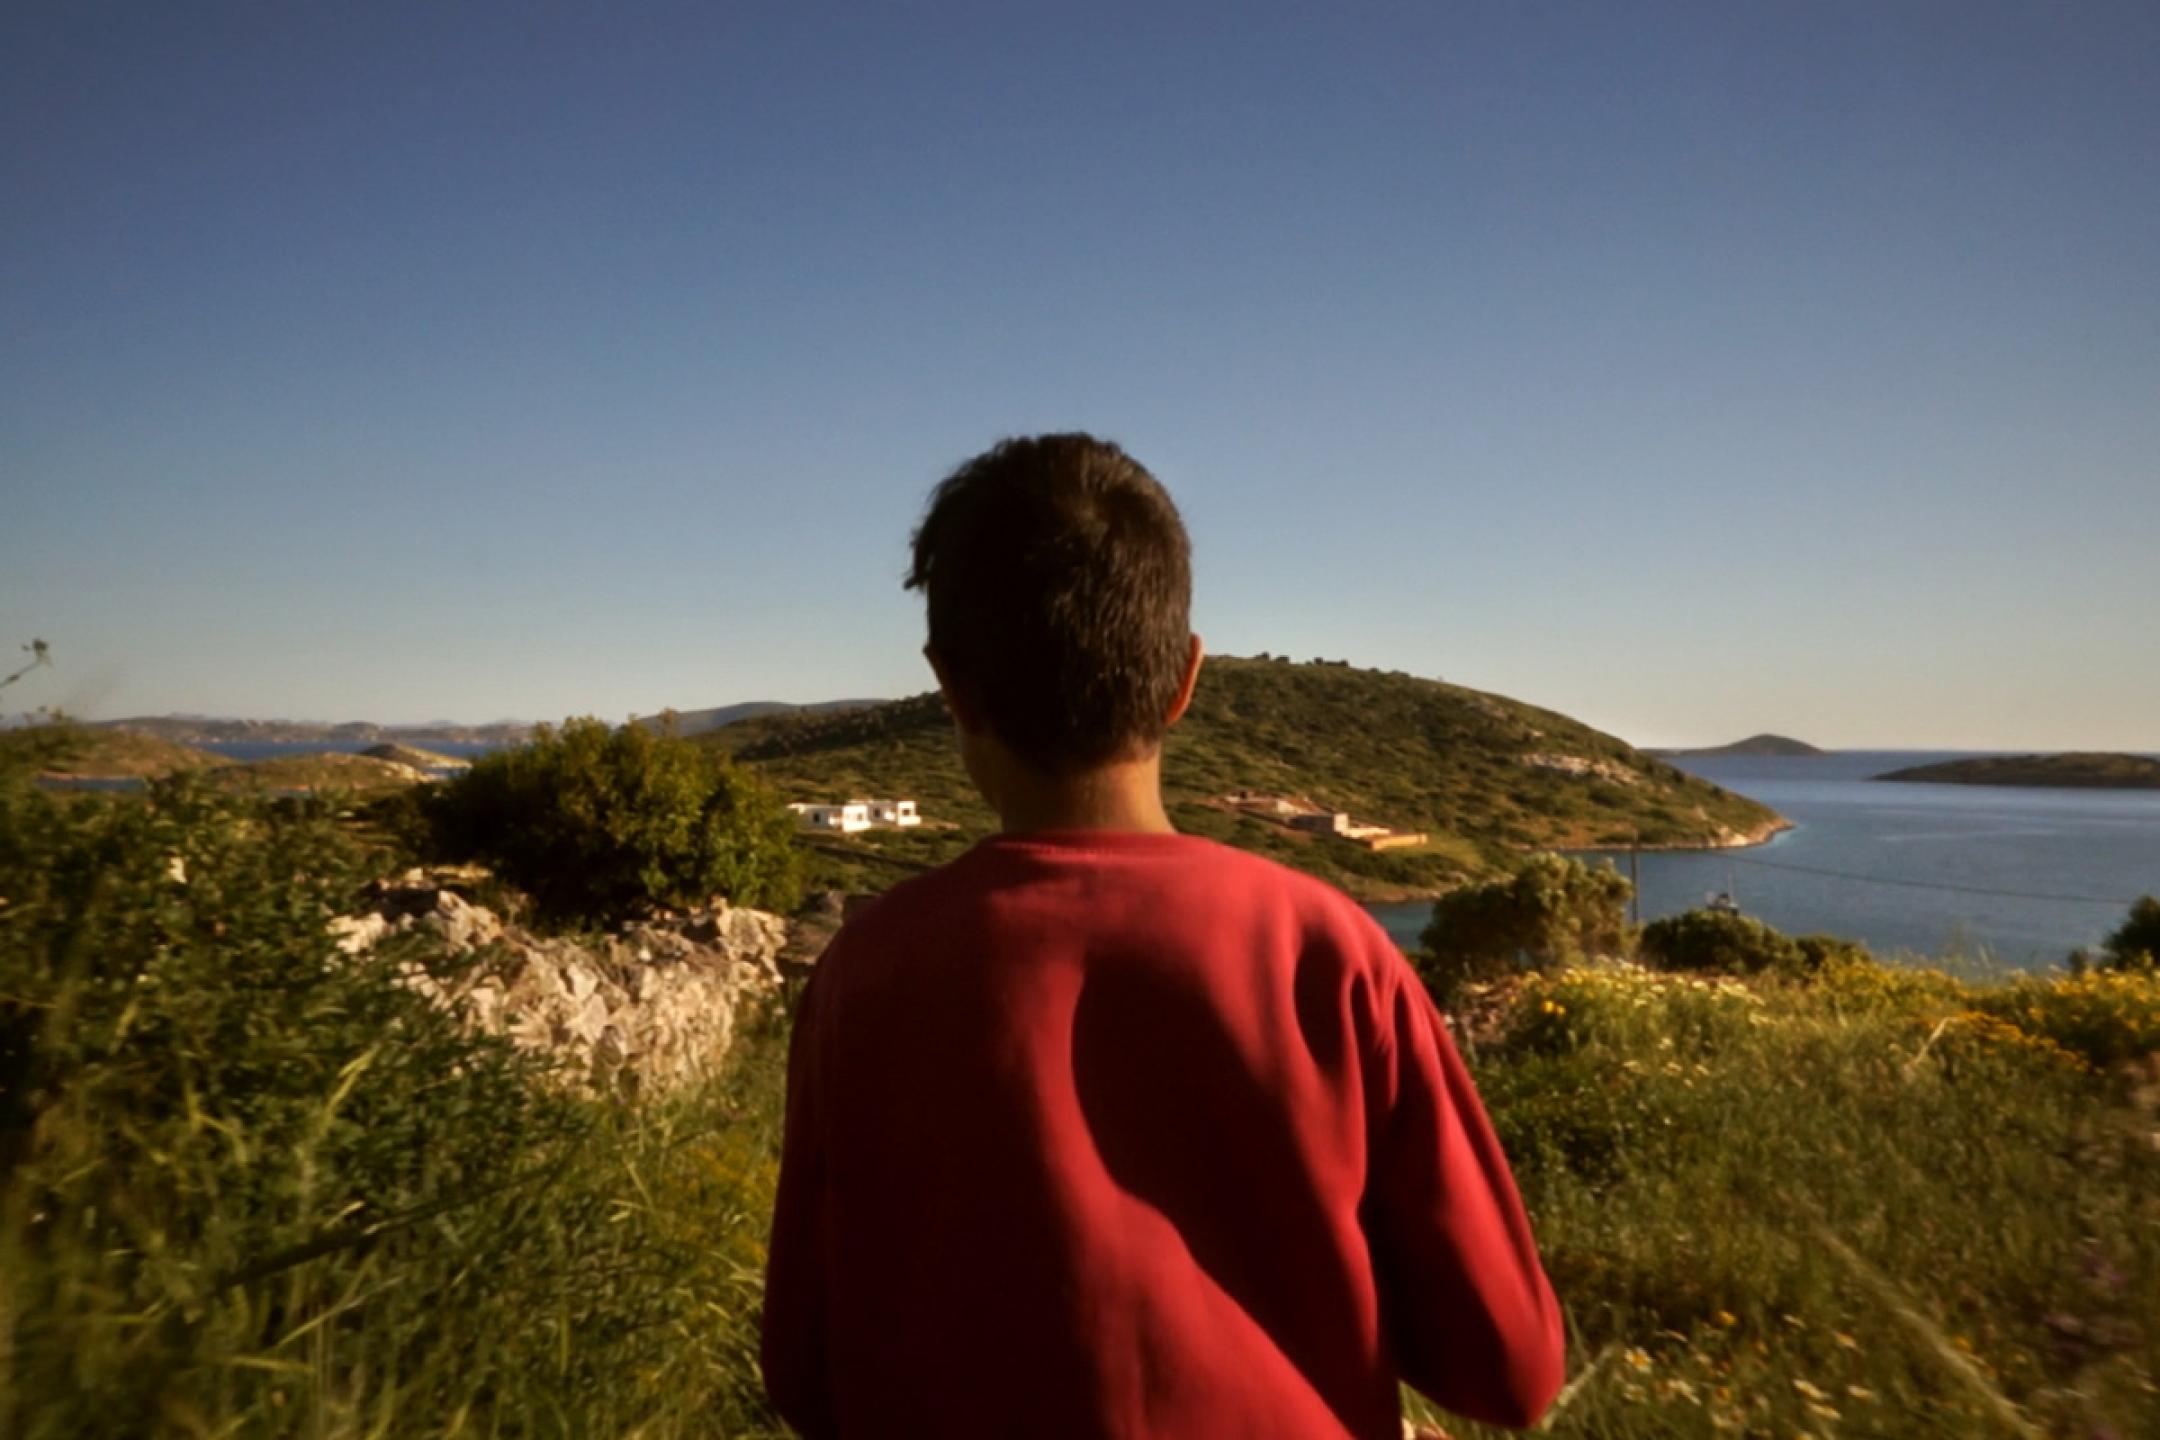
{"type": "Point", "coordinates": [1872, 1202]}
{"type": "Point", "coordinates": [249, 1186]}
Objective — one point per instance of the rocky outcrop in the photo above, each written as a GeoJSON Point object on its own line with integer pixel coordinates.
{"type": "Point", "coordinates": [641, 1011]}
{"type": "Point", "coordinates": [416, 758]}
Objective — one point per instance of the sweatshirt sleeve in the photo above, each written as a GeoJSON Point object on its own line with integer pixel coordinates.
{"type": "Point", "coordinates": [792, 1342]}
{"type": "Point", "coordinates": [1470, 1314]}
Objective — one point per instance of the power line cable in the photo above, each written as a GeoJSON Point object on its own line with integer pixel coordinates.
{"type": "Point", "coordinates": [1928, 884]}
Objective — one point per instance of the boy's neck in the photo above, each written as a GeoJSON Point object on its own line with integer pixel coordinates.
{"type": "Point", "coordinates": [1123, 795]}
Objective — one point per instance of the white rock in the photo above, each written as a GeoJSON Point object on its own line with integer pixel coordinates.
{"type": "Point", "coordinates": [358, 932]}
{"type": "Point", "coordinates": [643, 1012]}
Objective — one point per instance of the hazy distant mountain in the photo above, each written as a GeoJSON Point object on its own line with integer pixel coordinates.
{"type": "Point", "coordinates": [215, 730]}
{"type": "Point", "coordinates": [1778, 745]}
{"type": "Point", "coordinates": [697, 722]}
{"type": "Point", "coordinates": [209, 730]}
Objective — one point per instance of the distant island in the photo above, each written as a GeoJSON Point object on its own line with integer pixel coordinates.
{"type": "Point", "coordinates": [699, 722]}
{"type": "Point", "coordinates": [211, 730]}
{"type": "Point", "coordinates": [1783, 746]}
{"type": "Point", "coordinates": [2085, 770]}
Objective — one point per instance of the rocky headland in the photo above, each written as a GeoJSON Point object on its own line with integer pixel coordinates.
{"type": "Point", "coordinates": [415, 757]}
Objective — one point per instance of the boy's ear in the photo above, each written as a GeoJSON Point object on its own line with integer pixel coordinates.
{"type": "Point", "coordinates": [964, 713]}
{"type": "Point", "coordinates": [1185, 686]}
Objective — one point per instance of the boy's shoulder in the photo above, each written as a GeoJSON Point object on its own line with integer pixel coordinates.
{"type": "Point", "coordinates": [1192, 871]}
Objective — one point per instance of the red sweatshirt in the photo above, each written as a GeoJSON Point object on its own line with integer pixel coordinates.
{"type": "Point", "coordinates": [1108, 1134]}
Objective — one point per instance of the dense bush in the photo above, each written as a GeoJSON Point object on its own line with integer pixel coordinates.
{"type": "Point", "coordinates": [2105, 1017]}
{"type": "Point", "coordinates": [1549, 910]}
{"type": "Point", "coordinates": [27, 749]}
{"type": "Point", "coordinates": [2135, 945]}
{"type": "Point", "coordinates": [1721, 941]}
{"type": "Point", "coordinates": [250, 1185]}
{"type": "Point", "coordinates": [598, 822]}
{"type": "Point", "coordinates": [1819, 953]}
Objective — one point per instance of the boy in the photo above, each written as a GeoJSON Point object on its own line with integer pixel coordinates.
{"type": "Point", "coordinates": [1102, 1130]}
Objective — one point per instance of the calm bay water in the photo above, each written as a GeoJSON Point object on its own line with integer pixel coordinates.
{"type": "Point", "coordinates": [2019, 877]}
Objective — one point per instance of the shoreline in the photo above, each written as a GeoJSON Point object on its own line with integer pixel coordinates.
{"type": "Point", "coordinates": [1742, 840]}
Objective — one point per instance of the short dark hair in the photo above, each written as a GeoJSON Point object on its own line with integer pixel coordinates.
{"type": "Point", "coordinates": [1059, 584]}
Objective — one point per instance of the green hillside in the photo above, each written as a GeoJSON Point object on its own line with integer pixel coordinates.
{"type": "Point", "coordinates": [1483, 776]}
{"type": "Point", "coordinates": [84, 753]}
{"type": "Point", "coordinates": [329, 770]}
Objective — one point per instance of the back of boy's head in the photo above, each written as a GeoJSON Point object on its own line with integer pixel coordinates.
{"type": "Point", "coordinates": [1059, 585]}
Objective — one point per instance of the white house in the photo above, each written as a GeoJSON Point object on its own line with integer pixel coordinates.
{"type": "Point", "coordinates": [847, 818]}
{"type": "Point", "coordinates": [894, 812]}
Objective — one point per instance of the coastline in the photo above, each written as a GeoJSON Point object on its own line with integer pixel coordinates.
{"type": "Point", "coordinates": [1730, 840]}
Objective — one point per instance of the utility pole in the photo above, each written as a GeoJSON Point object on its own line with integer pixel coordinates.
{"type": "Point", "coordinates": [1634, 875]}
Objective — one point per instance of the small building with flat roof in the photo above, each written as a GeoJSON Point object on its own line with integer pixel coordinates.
{"type": "Point", "coordinates": [846, 818]}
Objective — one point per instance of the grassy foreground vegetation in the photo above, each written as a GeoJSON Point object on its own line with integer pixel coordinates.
{"type": "Point", "coordinates": [1862, 1201]}
{"type": "Point", "coordinates": [250, 1186]}
{"type": "Point", "coordinates": [1785, 1189]}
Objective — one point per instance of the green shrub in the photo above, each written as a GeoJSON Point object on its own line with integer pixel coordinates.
{"type": "Point", "coordinates": [1822, 952]}
{"type": "Point", "coordinates": [1855, 982]}
{"type": "Point", "coordinates": [1720, 941]}
{"type": "Point", "coordinates": [28, 749]}
{"type": "Point", "coordinates": [598, 823]}
{"type": "Point", "coordinates": [1550, 910]}
{"type": "Point", "coordinates": [2105, 1017]}
{"type": "Point", "coordinates": [2135, 945]}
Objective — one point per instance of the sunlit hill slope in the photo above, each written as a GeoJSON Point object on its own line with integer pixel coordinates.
{"type": "Point", "coordinates": [1483, 776]}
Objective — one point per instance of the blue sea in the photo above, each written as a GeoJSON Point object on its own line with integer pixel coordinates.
{"type": "Point", "coordinates": [1992, 876]}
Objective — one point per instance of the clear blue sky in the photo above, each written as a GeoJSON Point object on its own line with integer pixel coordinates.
{"type": "Point", "coordinates": [1694, 369]}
